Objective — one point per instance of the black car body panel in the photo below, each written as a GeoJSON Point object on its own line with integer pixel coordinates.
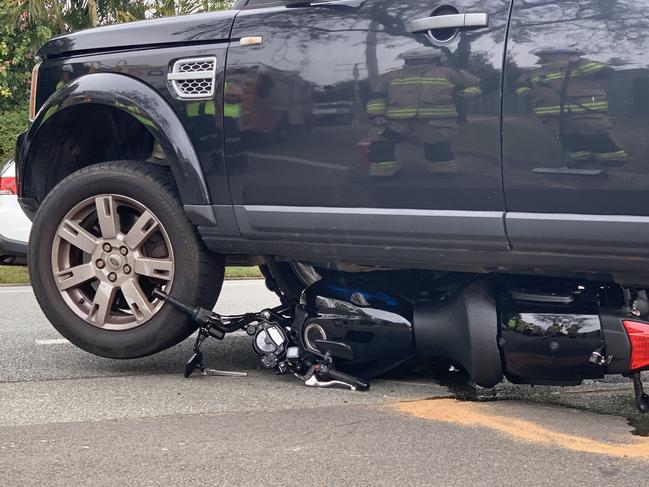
{"type": "Point", "coordinates": [196, 29]}
{"type": "Point", "coordinates": [575, 119]}
{"type": "Point", "coordinates": [324, 167]}
{"type": "Point", "coordinates": [339, 135]}
{"type": "Point", "coordinates": [135, 82]}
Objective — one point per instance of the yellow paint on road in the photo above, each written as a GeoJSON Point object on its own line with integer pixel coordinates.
{"type": "Point", "coordinates": [483, 415]}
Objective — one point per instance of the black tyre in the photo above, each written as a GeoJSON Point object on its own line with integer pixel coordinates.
{"type": "Point", "coordinates": [288, 279]}
{"type": "Point", "coordinates": [102, 241]}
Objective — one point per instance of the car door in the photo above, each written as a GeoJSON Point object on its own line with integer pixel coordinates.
{"type": "Point", "coordinates": [374, 122]}
{"type": "Point", "coordinates": [576, 115]}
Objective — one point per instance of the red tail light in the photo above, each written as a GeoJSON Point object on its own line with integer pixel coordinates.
{"type": "Point", "coordinates": [639, 337]}
{"type": "Point", "coordinates": [7, 186]}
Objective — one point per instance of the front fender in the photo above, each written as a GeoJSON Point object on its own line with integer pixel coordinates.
{"type": "Point", "coordinates": [141, 102]}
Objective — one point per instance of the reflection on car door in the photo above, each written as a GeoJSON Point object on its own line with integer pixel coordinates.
{"type": "Point", "coordinates": [575, 123]}
{"type": "Point", "coordinates": [352, 123]}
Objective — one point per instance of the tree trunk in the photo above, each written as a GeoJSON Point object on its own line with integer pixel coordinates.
{"type": "Point", "coordinates": [371, 58]}
{"type": "Point", "coordinates": [92, 12]}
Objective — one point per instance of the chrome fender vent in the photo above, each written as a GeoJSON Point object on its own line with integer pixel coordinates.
{"type": "Point", "coordinates": [193, 78]}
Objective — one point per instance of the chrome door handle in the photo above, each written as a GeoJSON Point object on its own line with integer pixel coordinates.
{"type": "Point", "coordinates": [454, 21]}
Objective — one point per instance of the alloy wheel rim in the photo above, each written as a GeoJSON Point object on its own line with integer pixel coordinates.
{"type": "Point", "coordinates": [109, 253]}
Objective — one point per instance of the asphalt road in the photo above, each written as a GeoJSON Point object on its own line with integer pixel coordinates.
{"type": "Point", "coordinates": [68, 418]}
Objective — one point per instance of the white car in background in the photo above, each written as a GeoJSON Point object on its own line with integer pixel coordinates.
{"type": "Point", "coordinates": [14, 225]}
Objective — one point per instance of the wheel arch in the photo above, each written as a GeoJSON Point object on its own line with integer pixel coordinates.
{"type": "Point", "coordinates": [101, 117]}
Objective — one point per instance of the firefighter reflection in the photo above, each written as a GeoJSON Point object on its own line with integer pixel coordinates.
{"type": "Point", "coordinates": [66, 75]}
{"type": "Point", "coordinates": [233, 94]}
{"type": "Point", "coordinates": [566, 92]}
{"type": "Point", "coordinates": [414, 114]}
{"type": "Point", "coordinates": [201, 114]}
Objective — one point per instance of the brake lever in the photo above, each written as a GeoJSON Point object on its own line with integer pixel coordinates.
{"type": "Point", "coordinates": [314, 382]}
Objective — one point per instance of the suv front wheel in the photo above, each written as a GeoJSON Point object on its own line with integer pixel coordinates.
{"type": "Point", "coordinates": [102, 241]}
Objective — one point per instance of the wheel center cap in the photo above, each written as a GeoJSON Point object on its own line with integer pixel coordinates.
{"type": "Point", "coordinates": [114, 261]}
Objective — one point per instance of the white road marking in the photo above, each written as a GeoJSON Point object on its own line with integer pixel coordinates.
{"type": "Point", "coordinates": [16, 291]}
{"type": "Point", "coordinates": [245, 282]}
{"type": "Point", "coordinates": [53, 341]}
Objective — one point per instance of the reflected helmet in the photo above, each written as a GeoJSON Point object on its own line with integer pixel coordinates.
{"type": "Point", "coordinates": [233, 89]}
{"type": "Point", "coordinates": [420, 54]}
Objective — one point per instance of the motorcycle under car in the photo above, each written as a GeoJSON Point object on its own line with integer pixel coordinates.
{"type": "Point", "coordinates": [270, 329]}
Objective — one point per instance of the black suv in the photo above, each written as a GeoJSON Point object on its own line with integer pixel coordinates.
{"type": "Point", "coordinates": [413, 146]}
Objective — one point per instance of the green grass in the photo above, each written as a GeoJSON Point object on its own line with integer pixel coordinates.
{"type": "Point", "coordinates": [11, 124]}
{"type": "Point", "coordinates": [242, 273]}
{"type": "Point", "coordinates": [19, 275]}
{"type": "Point", "coordinates": [13, 275]}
